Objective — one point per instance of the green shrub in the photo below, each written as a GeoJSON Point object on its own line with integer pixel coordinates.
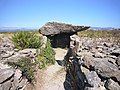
{"type": "Point", "coordinates": [26, 39]}
{"type": "Point", "coordinates": [26, 66]}
{"type": "Point", "coordinates": [41, 60]}
{"type": "Point", "coordinates": [49, 53]}
{"type": "Point", "coordinates": [47, 56]}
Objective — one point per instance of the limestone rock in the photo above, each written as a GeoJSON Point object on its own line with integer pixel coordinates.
{"type": "Point", "coordinates": [3, 66]}
{"type": "Point", "coordinates": [94, 81]}
{"type": "Point", "coordinates": [22, 83]}
{"type": "Point", "coordinates": [116, 52]}
{"type": "Point", "coordinates": [7, 85]}
{"type": "Point", "coordinates": [14, 58]}
{"type": "Point", "coordinates": [6, 48]}
{"type": "Point", "coordinates": [16, 50]}
{"type": "Point", "coordinates": [106, 69]}
{"type": "Point", "coordinates": [7, 54]}
{"type": "Point", "coordinates": [18, 74]}
{"type": "Point", "coordinates": [6, 74]}
{"type": "Point", "coordinates": [6, 44]}
{"type": "Point", "coordinates": [111, 85]}
{"type": "Point", "coordinates": [27, 51]}
{"type": "Point", "coordinates": [118, 61]}
{"type": "Point", "coordinates": [1, 87]}
{"type": "Point", "coordinates": [111, 60]}
{"type": "Point", "coordinates": [107, 44]}
{"type": "Point", "coordinates": [88, 60]}
{"type": "Point", "coordinates": [52, 28]}
{"type": "Point", "coordinates": [99, 55]}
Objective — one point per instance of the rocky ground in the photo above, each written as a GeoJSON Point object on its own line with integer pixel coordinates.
{"type": "Point", "coordinates": [100, 63]}
{"type": "Point", "coordinates": [50, 78]}
{"type": "Point", "coordinates": [11, 78]}
{"type": "Point", "coordinates": [99, 60]}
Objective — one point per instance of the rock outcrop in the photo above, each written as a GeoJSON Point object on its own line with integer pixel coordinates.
{"type": "Point", "coordinates": [6, 48]}
{"type": "Point", "coordinates": [91, 63]}
{"type": "Point", "coordinates": [8, 52]}
{"type": "Point", "coordinates": [53, 28]}
{"type": "Point", "coordinates": [95, 64]}
{"type": "Point", "coordinates": [59, 33]}
{"type": "Point", "coordinates": [13, 78]}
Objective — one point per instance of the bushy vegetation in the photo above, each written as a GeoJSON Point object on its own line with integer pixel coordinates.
{"type": "Point", "coordinates": [47, 56]}
{"type": "Point", "coordinates": [26, 39]}
{"type": "Point", "coordinates": [26, 66]}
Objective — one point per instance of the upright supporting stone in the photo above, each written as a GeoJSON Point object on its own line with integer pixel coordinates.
{"type": "Point", "coordinates": [74, 72]}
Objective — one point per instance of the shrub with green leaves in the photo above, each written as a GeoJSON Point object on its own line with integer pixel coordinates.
{"type": "Point", "coordinates": [47, 56]}
{"type": "Point", "coordinates": [26, 66]}
{"type": "Point", "coordinates": [49, 53]}
{"type": "Point", "coordinates": [41, 60]}
{"type": "Point", "coordinates": [26, 39]}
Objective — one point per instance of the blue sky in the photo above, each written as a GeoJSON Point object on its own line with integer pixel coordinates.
{"type": "Point", "coordinates": [35, 13]}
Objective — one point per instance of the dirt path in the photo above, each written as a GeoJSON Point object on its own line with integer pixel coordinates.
{"type": "Point", "coordinates": [53, 76]}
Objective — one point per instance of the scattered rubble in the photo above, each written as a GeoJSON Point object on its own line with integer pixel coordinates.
{"type": "Point", "coordinates": [91, 63]}
{"type": "Point", "coordinates": [12, 78]}
{"type": "Point", "coordinates": [98, 63]}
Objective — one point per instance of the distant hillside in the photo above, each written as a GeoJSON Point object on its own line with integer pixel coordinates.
{"type": "Point", "coordinates": [13, 29]}
{"type": "Point", "coordinates": [103, 28]}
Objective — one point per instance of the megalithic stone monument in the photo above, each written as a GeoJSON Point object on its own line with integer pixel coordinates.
{"type": "Point", "coordinates": [59, 33]}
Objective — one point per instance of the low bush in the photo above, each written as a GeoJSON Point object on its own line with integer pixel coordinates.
{"type": "Point", "coordinates": [26, 66]}
{"type": "Point", "coordinates": [26, 39]}
{"type": "Point", "coordinates": [47, 56]}
{"type": "Point", "coordinates": [49, 53]}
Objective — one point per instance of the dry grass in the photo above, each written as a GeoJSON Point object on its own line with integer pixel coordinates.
{"type": "Point", "coordinates": [6, 34]}
{"type": "Point", "coordinates": [100, 34]}
{"type": "Point", "coordinates": [106, 34]}
{"type": "Point", "coordinates": [10, 34]}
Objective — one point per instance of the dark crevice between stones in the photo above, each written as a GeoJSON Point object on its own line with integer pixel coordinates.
{"type": "Point", "coordinates": [60, 62]}
{"type": "Point", "coordinates": [80, 85]}
{"type": "Point", "coordinates": [7, 79]}
{"type": "Point", "coordinates": [102, 78]}
{"type": "Point", "coordinates": [80, 82]}
{"type": "Point", "coordinates": [115, 79]}
{"type": "Point", "coordinates": [91, 68]}
{"type": "Point", "coordinates": [106, 78]}
{"type": "Point", "coordinates": [115, 54]}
